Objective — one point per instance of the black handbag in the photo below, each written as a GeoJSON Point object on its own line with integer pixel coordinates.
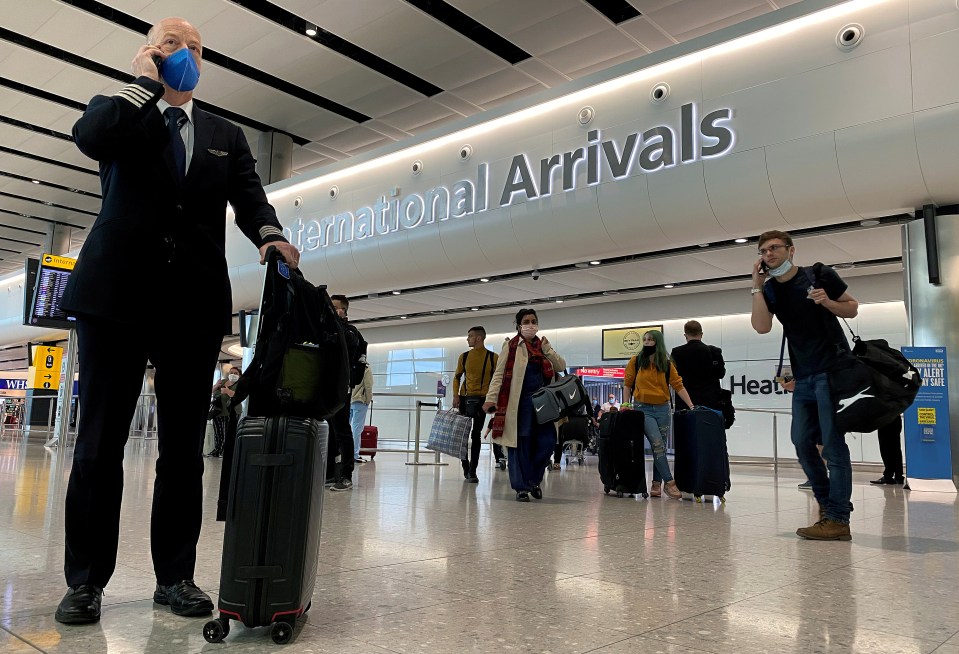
{"type": "Point", "coordinates": [563, 397]}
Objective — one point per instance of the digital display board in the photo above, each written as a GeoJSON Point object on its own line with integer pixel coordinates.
{"type": "Point", "coordinates": [51, 281]}
{"type": "Point", "coordinates": [625, 342]}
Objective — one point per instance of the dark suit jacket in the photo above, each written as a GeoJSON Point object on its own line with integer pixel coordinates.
{"type": "Point", "coordinates": [158, 246]}
{"type": "Point", "coordinates": [702, 367]}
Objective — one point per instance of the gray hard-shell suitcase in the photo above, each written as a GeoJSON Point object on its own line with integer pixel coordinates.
{"type": "Point", "coordinates": [272, 536]}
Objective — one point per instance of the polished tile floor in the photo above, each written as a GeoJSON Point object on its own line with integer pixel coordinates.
{"type": "Point", "coordinates": [415, 560]}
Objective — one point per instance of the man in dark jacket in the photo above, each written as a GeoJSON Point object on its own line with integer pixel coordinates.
{"type": "Point", "coordinates": [151, 270]}
{"type": "Point", "coordinates": [701, 366]}
{"type": "Point", "coordinates": [339, 471]}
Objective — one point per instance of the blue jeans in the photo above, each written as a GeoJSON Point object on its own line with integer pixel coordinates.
{"type": "Point", "coordinates": [657, 426]}
{"type": "Point", "coordinates": [814, 420]}
{"type": "Point", "coordinates": [357, 421]}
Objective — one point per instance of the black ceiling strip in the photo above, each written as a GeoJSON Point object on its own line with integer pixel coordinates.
{"type": "Point", "coordinates": [137, 25]}
{"type": "Point", "coordinates": [43, 220]}
{"type": "Point", "coordinates": [46, 203]}
{"type": "Point", "coordinates": [16, 240]}
{"type": "Point", "coordinates": [595, 294]}
{"type": "Point", "coordinates": [126, 78]}
{"type": "Point", "coordinates": [36, 128]}
{"type": "Point", "coordinates": [11, 251]}
{"type": "Point", "coordinates": [472, 29]}
{"type": "Point", "coordinates": [337, 44]}
{"type": "Point", "coordinates": [646, 256]}
{"type": "Point", "coordinates": [43, 95]}
{"type": "Point", "coordinates": [24, 178]}
{"type": "Point", "coordinates": [617, 11]}
{"type": "Point", "coordinates": [52, 162]}
{"type": "Point", "coordinates": [22, 229]}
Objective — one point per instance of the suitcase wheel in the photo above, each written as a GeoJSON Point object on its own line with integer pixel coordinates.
{"type": "Point", "coordinates": [281, 632]}
{"type": "Point", "coordinates": [645, 496]}
{"type": "Point", "coordinates": [502, 464]}
{"type": "Point", "coordinates": [215, 631]}
{"type": "Point", "coordinates": [619, 493]}
{"type": "Point", "coordinates": [372, 456]}
{"type": "Point", "coordinates": [606, 489]}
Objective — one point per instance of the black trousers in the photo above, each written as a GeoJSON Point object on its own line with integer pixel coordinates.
{"type": "Point", "coordinates": [112, 362]}
{"type": "Point", "coordinates": [341, 443]}
{"type": "Point", "coordinates": [476, 436]}
{"type": "Point", "coordinates": [889, 448]}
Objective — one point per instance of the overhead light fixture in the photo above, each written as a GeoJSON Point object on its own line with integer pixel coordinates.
{"type": "Point", "coordinates": [474, 308]}
{"type": "Point", "coordinates": [668, 285]}
{"type": "Point", "coordinates": [484, 279]}
{"type": "Point", "coordinates": [742, 240]}
{"type": "Point", "coordinates": [704, 245]}
{"type": "Point", "coordinates": [869, 222]}
{"type": "Point", "coordinates": [581, 264]}
{"type": "Point", "coordinates": [402, 317]}
{"type": "Point", "coordinates": [559, 300]}
{"type": "Point", "coordinates": [35, 181]}
{"type": "Point", "coordinates": [396, 292]}
{"type": "Point", "coordinates": [595, 263]}
{"type": "Point", "coordinates": [311, 29]}
{"type": "Point", "coordinates": [236, 350]}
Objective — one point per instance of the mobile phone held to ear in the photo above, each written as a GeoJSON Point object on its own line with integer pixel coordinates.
{"type": "Point", "coordinates": [158, 60]}
{"type": "Point", "coordinates": [763, 267]}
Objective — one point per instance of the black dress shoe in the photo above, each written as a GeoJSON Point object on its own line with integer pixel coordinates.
{"type": "Point", "coordinates": [81, 605]}
{"type": "Point", "coordinates": [522, 496]}
{"type": "Point", "coordinates": [536, 492]}
{"type": "Point", "coordinates": [883, 480]}
{"type": "Point", "coordinates": [184, 598]}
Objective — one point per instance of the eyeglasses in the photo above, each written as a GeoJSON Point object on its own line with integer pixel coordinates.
{"type": "Point", "coordinates": [530, 322]}
{"type": "Point", "coordinates": [772, 248]}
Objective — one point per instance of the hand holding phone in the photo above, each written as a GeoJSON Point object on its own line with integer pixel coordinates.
{"type": "Point", "coordinates": [158, 61]}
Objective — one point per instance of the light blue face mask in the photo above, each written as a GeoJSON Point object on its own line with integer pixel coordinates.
{"type": "Point", "coordinates": [180, 71]}
{"type": "Point", "coordinates": [781, 269]}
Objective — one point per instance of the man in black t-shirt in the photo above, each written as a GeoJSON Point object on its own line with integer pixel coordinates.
{"type": "Point", "coordinates": [807, 301]}
{"type": "Point", "coordinates": [701, 366]}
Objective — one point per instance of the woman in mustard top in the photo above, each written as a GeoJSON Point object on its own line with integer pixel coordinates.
{"type": "Point", "coordinates": [647, 383]}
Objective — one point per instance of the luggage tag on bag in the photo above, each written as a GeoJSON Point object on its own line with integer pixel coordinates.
{"type": "Point", "coordinates": [283, 269]}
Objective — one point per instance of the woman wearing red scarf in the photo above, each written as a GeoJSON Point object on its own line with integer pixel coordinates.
{"type": "Point", "coordinates": [525, 365]}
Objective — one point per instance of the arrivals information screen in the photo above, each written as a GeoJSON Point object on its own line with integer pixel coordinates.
{"type": "Point", "coordinates": [51, 282]}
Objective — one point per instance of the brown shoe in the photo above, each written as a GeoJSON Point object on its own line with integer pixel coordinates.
{"type": "Point", "coordinates": [673, 491]}
{"type": "Point", "coordinates": [656, 490]}
{"type": "Point", "coordinates": [825, 529]}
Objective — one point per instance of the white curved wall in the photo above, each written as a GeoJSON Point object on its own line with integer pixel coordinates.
{"type": "Point", "coordinates": [821, 135]}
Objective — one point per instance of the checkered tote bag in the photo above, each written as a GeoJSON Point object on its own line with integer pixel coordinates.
{"type": "Point", "coordinates": [450, 434]}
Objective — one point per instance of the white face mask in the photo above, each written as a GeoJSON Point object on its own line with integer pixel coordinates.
{"type": "Point", "coordinates": [781, 269]}
{"type": "Point", "coordinates": [528, 331]}
{"type": "Point", "coordinates": [233, 378]}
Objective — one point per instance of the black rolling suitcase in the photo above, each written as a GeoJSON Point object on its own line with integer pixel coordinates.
{"type": "Point", "coordinates": [702, 463]}
{"type": "Point", "coordinates": [622, 458]}
{"type": "Point", "coordinates": [272, 536]}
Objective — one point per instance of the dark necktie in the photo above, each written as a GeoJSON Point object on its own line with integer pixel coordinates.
{"type": "Point", "coordinates": [175, 118]}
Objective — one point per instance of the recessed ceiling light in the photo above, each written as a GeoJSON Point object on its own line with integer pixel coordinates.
{"type": "Point", "coordinates": [402, 317]}
{"type": "Point", "coordinates": [668, 285]}
{"type": "Point", "coordinates": [595, 263]}
{"type": "Point", "coordinates": [581, 264]}
{"type": "Point", "coordinates": [396, 292]}
{"type": "Point", "coordinates": [484, 279]}
{"type": "Point", "coordinates": [559, 301]}
{"type": "Point", "coordinates": [35, 181]}
{"type": "Point", "coordinates": [741, 240]}
{"type": "Point", "coordinates": [869, 222]}
{"type": "Point", "coordinates": [311, 30]}
{"type": "Point", "coordinates": [704, 245]}
{"type": "Point", "coordinates": [474, 308]}
{"type": "Point", "coordinates": [610, 292]}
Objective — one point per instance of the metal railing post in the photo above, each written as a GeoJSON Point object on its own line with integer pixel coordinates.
{"type": "Point", "coordinates": [775, 445]}
{"type": "Point", "coordinates": [416, 451]}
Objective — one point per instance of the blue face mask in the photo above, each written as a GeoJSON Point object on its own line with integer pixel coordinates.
{"type": "Point", "coordinates": [180, 71]}
{"type": "Point", "coordinates": [781, 269]}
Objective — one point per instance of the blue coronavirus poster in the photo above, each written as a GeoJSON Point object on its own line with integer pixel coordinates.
{"type": "Point", "coordinates": [926, 422]}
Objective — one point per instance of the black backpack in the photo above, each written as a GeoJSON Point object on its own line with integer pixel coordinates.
{"type": "Point", "coordinates": [300, 365]}
{"type": "Point", "coordinates": [356, 353]}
